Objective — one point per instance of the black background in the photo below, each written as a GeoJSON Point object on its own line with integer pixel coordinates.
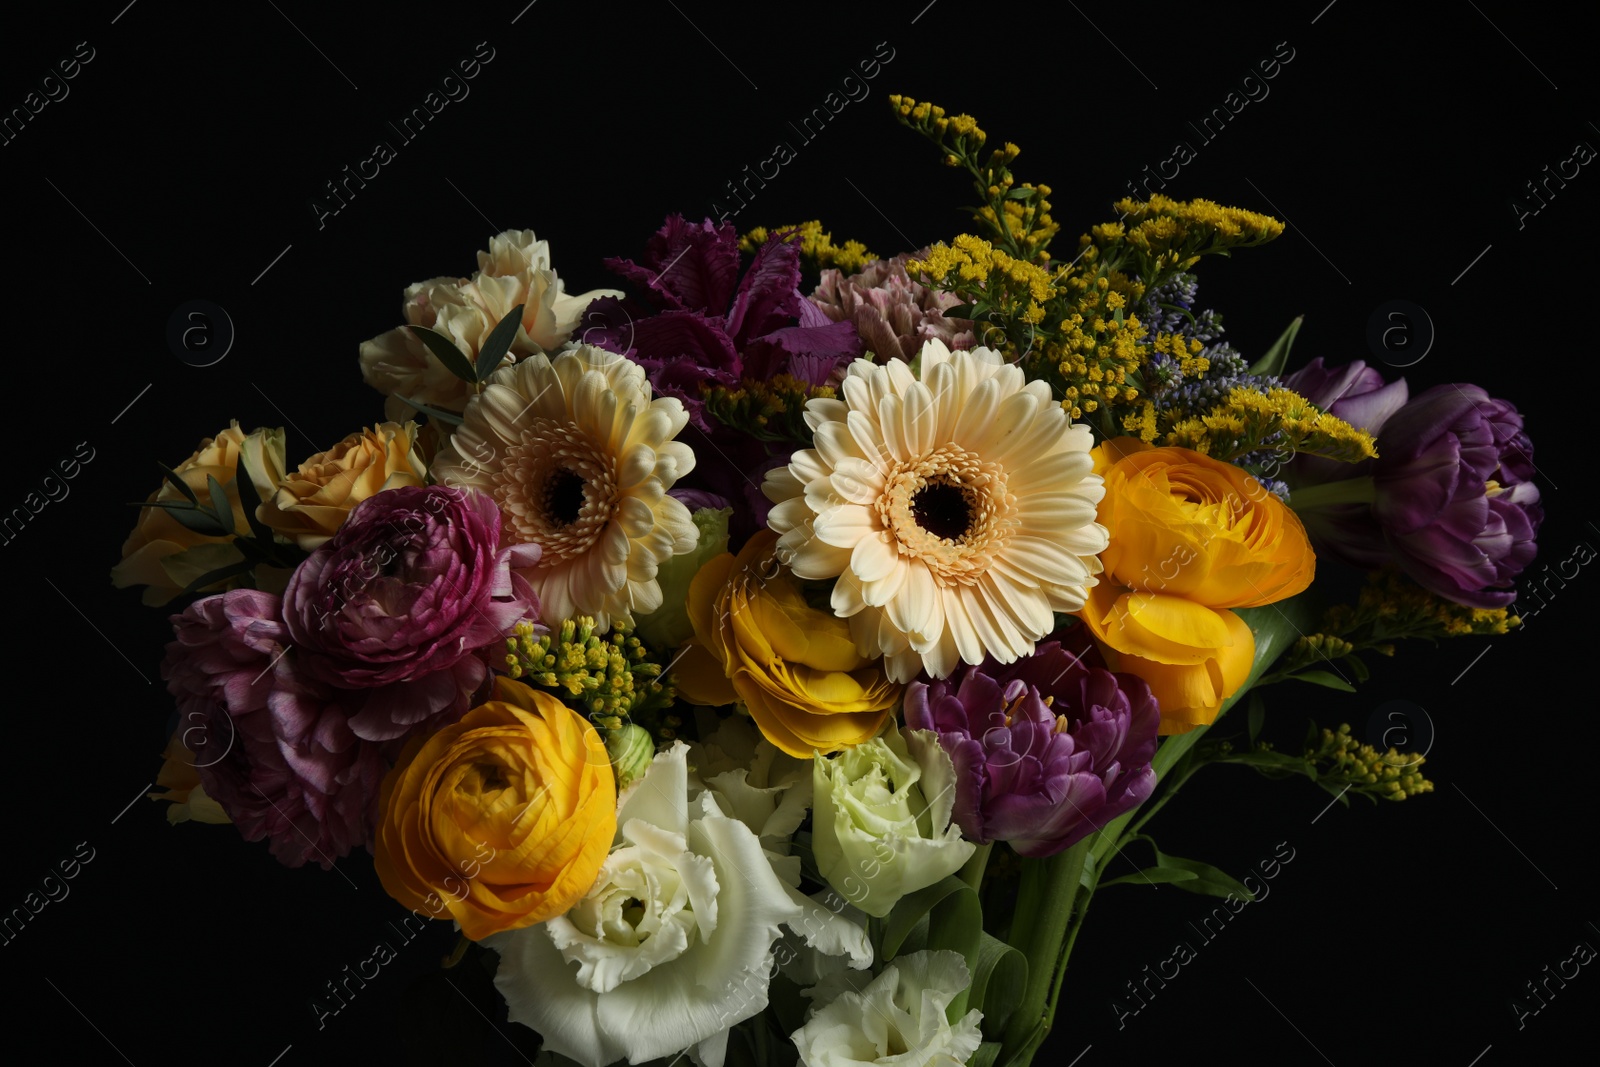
{"type": "Point", "coordinates": [184, 162]}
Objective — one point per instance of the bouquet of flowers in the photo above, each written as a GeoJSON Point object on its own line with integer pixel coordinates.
{"type": "Point", "coordinates": [768, 660]}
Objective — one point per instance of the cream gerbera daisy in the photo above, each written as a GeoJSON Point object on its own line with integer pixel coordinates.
{"type": "Point", "coordinates": [958, 511]}
{"type": "Point", "coordinates": [579, 458]}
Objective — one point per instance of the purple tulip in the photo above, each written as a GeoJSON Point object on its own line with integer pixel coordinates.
{"type": "Point", "coordinates": [312, 792]}
{"type": "Point", "coordinates": [1455, 496]}
{"type": "Point", "coordinates": [1354, 392]}
{"type": "Point", "coordinates": [1041, 775]}
{"type": "Point", "coordinates": [404, 602]}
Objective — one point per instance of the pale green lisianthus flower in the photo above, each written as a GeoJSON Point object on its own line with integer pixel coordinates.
{"type": "Point", "coordinates": [882, 825]}
{"type": "Point", "coordinates": [898, 1018]}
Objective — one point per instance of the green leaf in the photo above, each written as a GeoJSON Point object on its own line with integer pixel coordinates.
{"type": "Point", "coordinates": [1207, 880]}
{"type": "Point", "coordinates": [1020, 193]}
{"type": "Point", "coordinates": [200, 520]}
{"type": "Point", "coordinates": [986, 1056]}
{"type": "Point", "coordinates": [499, 343]}
{"type": "Point", "coordinates": [221, 505]}
{"type": "Point", "coordinates": [167, 505]}
{"type": "Point", "coordinates": [454, 360]}
{"type": "Point", "coordinates": [1257, 709]}
{"type": "Point", "coordinates": [1154, 876]}
{"type": "Point", "coordinates": [249, 500]}
{"type": "Point", "coordinates": [999, 979]}
{"type": "Point", "coordinates": [959, 311]}
{"type": "Point", "coordinates": [1277, 356]}
{"type": "Point", "coordinates": [1357, 668]}
{"type": "Point", "coordinates": [434, 413]}
{"type": "Point", "coordinates": [955, 922]}
{"type": "Point", "coordinates": [1327, 678]}
{"type": "Point", "coordinates": [178, 483]}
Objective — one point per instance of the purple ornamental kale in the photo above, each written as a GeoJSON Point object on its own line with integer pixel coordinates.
{"type": "Point", "coordinates": [711, 326]}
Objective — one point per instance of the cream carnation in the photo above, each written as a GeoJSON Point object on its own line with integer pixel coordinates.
{"type": "Point", "coordinates": [957, 511]}
{"type": "Point", "coordinates": [579, 458]}
{"type": "Point", "coordinates": [515, 270]}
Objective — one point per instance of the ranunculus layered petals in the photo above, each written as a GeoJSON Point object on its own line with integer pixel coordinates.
{"type": "Point", "coordinates": [1190, 695]}
{"type": "Point", "coordinates": [797, 669]}
{"type": "Point", "coordinates": [1191, 538]}
{"type": "Point", "coordinates": [502, 819]}
{"type": "Point", "coordinates": [402, 601]}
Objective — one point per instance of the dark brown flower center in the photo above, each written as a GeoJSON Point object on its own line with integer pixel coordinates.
{"type": "Point", "coordinates": [563, 497]}
{"type": "Point", "coordinates": [944, 510]}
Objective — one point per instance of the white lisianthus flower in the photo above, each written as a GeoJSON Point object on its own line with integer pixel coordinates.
{"type": "Point", "coordinates": [754, 781]}
{"type": "Point", "coordinates": [898, 1019]}
{"type": "Point", "coordinates": [515, 270]}
{"type": "Point", "coordinates": [882, 827]}
{"type": "Point", "coordinates": [956, 508]}
{"type": "Point", "coordinates": [673, 945]}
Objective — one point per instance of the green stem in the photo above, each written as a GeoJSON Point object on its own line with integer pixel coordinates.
{"type": "Point", "coordinates": [972, 871]}
{"type": "Point", "coordinates": [1349, 491]}
{"type": "Point", "coordinates": [1045, 897]}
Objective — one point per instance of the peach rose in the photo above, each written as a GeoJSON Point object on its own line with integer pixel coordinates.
{"type": "Point", "coordinates": [161, 553]}
{"type": "Point", "coordinates": [311, 504]}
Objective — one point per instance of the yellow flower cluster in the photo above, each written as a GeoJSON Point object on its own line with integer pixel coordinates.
{"type": "Point", "coordinates": [609, 676]}
{"type": "Point", "coordinates": [1186, 351]}
{"type": "Point", "coordinates": [1391, 775]}
{"type": "Point", "coordinates": [772, 410]}
{"type": "Point", "coordinates": [931, 120]}
{"type": "Point", "coordinates": [1246, 417]}
{"type": "Point", "coordinates": [1392, 606]}
{"type": "Point", "coordinates": [1012, 289]}
{"type": "Point", "coordinates": [1096, 347]}
{"type": "Point", "coordinates": [817, 249]}
{"type": "Point", "coordinates": [1181, 231]}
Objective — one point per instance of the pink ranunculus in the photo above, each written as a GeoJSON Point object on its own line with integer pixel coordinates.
{"type": "Point", "coordinates": [405, 602]}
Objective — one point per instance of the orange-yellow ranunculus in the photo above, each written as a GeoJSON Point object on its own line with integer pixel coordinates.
{"type": "Point", "coordinates": [1191, 538]}
{"type": "Point", "coordinates": [501, 820]}
{"type": "Point", "coordinates": [795, 667]}
{"type": "Point", "coordinates": [164, 555]}
{"type": "Point", "coordinates": [311, 504]}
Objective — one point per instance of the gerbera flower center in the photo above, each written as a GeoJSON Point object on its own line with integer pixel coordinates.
{"type": "Point", "coordinates": [949, 510]}
{"type": "Point", "coordinates": [563, 497]}
{"type": "Point", "coordinates": [555, 489]}
{"type": "Point", "coordinates": [944, 510]}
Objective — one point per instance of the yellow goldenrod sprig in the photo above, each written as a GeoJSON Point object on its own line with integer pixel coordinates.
{"type": "Point", "coordinates": [1248, 420]}
{"type": "Point", "coordinates": [1343, 763]}
{"type": "Point", "coordinates": [817, 250]}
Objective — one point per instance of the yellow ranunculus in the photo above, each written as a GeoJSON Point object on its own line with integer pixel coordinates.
{"type": "Point", "coordinates": [1191, 538]}
{"type": "Point", "coordinates": [501, 820]}
{"type": "Point", "coordinates": [164, 555]}
{"type": "Point", "coordinates": [311, 504]}
{"type": "Point", "coordinates": [795, 667]}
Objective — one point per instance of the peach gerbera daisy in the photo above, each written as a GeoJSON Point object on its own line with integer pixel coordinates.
{"type": "Point", "coordinates": [957, 511]}
{"type": "Point", "coordinates": [579, 458]}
